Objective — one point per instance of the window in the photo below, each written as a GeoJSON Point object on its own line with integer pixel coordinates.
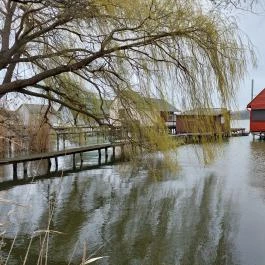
{"type": "Point", "coordinates": [258, 115]}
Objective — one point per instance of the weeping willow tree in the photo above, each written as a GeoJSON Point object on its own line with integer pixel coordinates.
{"type": "Point", "coordinates": [60, 50]}
{"type": "Point", "coordinates": [241, 4]}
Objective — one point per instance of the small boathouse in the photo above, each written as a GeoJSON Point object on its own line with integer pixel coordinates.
{"type": "Point", "coordinates": [206, 120]}
{"type": "Point", "coordinates": [257, 113]}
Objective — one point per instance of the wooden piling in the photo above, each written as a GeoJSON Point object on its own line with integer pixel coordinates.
{"type": "Point", "coordinates": [74, 165]}
{"type": "Point", "coordinates": [99, 156]}
{"type": "Point", "coordinates": [10, 145]}
{"type": "Point", "coordinates": [49, 165]}
{"type": "Point", "coordinates": [56, 163]}
{"type": "Point", "coordinates": [25, 169]}
{"type": "Point", "coordinates": [14, 171]}
{"type": "Point", "coordinates": [81, 160]}
{"type": "Point", "coordinates": [58, 141]}
{"type": "Point", "coordinates": [106, 155]}
{"type": "Point", "coordinates": [113, 153]}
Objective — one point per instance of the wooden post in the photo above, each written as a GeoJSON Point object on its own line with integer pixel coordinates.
{"type": "Point", "coordinates": [58, 141]}
{"type": "Point", "coordinates": [49, 165]}
{"type": "Point", "coordinates": [64, 141]}
{"type": "Point", "coordinates": [74, 166]}
{"type": "Point", "coordinates": [106, 155]}
{"type": "Point", "coordinates": [99, 156]}
{"type": "Point", "coordinates": [10, 145]}
{"type": "Point", "coordinates": [81, 160]}
{"type": "Point", "coordinates": [56, 163]}
{"type": "Point", "coordinates": [25, 169]}
{"type": "Point", "coordinates": [113, 154]}
{"type": "Point", "coordinates": [15, 171]}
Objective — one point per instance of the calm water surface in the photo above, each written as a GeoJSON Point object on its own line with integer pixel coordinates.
{"type": "Point", "coordinates": [211, 214]}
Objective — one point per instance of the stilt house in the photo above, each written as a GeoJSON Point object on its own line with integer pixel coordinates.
{"type": "Point", "coordinates": [206, 120]}
{"type": "Point", "coordinates": [257, 113]}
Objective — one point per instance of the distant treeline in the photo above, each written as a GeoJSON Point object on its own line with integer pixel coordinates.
{"type": "Point", "coordinates": [240, 115]}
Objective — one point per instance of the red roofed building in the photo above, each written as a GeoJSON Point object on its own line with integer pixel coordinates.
{"type": "Point", "coordinates": [257, 113]}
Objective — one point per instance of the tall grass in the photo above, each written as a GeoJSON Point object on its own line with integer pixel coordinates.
{"type": "Point", "coordinates": [38, 136]}
{"type": "Point", "coordinates": [3, 133]}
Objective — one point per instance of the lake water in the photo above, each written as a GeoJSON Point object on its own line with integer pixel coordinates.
{"type": "Point", "coordinates": [212, 214]}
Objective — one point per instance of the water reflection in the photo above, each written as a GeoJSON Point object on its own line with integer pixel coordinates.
{"type": "Point", "coordinates": [168, 226]}
{"type": "Point", "coordinates": [185, 218]}
{"type": "Point", "coordinates": [258, 158]}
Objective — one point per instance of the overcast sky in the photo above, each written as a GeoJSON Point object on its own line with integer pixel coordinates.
{"type": "Point", "coordinates": [254, 26]}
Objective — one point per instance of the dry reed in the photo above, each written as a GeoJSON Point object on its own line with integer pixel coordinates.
{"type": "Point", "coordinates": [39, 136]}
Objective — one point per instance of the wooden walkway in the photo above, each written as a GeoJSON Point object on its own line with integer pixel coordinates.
{"type": "Point", "coordinates": [198, 137]}
{"type": "Point", "coordinates": [7, 184]}
{"type": "Point", "coordinates": [55, 154]}
{"type": "Point", "coordinates": [239, 132]}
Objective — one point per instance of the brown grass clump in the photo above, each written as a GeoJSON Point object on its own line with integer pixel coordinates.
{"type": "Point", "coordinates": [2, 141]}
{"type": "Point", "coordinates": [39, 137]}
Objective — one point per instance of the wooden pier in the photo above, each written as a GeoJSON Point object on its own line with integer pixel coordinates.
{"type": "Point", "coordinates": [7, 184]}
{"type": "Point", "coordinates": [55, 154]}
{"type": "Point", "coordinates": [239, 132]}
{"type": "Point", "coordinates": [199, 137]}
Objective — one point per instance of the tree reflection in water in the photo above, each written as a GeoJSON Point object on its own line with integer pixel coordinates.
{"type": "Point", "coordinates": [132, 218]}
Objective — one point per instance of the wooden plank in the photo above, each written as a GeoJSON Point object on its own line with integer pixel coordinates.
{"type": "Point", "coordinates": [237, 129]}
{"type": "Point", "coordinates": [54, 154]}
{"type": "Point", "coordinates": [196, 134]}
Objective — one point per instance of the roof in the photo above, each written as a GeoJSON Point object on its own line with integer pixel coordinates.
{"type": "Point", "coordinates": [206, 111]}
{"type": "Point", "coordinates": [98, 107]}
{"type": "Point", "coordinates": [35, 108]}
{"type": "Point", "coordinates": [144, 102]}
{"type": "Point", "coordinates": [162, 105]}
{"type": "Point", "coordinates": [258, 102]}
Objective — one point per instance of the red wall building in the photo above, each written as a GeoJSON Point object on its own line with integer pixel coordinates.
{"type": "Point", "coordinates": [257, 113]}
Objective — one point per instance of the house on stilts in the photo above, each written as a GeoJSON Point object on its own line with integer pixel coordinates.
{"type": "Point", "coordinates": [256, 108]}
